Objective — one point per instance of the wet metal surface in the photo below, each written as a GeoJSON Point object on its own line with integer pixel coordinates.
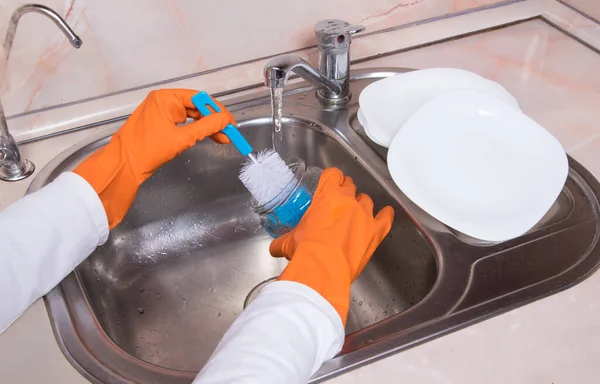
{"type": "Point", "coordinates": [152, 303]}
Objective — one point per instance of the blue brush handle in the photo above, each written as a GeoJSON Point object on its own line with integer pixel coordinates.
{"type": "Point", "coordinates": [202, 101]}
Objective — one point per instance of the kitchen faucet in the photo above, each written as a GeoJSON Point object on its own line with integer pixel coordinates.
{"type": "Point", "coordinates": [12, 166]}
{"type": "Point", "coordinates": [333, 76]}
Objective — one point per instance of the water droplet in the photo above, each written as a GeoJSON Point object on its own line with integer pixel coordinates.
{"type": "Point", "coordinates": [219, 314]}
{"type": "Point", "coordinates": [384, 313]}
{"type": "Point", "coordinates": [360, 303]}
{"type": "Point", "coordinates": [140, 310]}
{"type": "Point", "coordinates": [354, 299]}
{"type": "Point", "coordinates": [142, 290]}
{"type": "Point", "coordinates": [366, 321]}
{"type": "Point", "coordinates": [370, 304]}
{"type": "Point", "coordinates": [212, 289]}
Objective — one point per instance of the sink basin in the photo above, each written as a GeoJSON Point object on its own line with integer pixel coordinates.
{"type": "Point", "coordinates": [190, 250]}
{"type": "Point", "coordinates": [153, 302]}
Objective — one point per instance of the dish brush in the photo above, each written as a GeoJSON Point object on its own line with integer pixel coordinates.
{"type": "Point", "coordinates": [266, 176]}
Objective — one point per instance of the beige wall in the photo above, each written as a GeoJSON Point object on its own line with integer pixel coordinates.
{"type": "Point", "coordinates": [589, 7]}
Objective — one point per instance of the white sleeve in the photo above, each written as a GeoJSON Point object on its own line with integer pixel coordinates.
{"type": "Point", "coordinates": [43, 237]}
{"type": "Point", "coordinates": [282, 337]}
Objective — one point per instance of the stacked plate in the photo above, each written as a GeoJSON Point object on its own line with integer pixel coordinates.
{"type": "Point", "coordinates": [462, 150]}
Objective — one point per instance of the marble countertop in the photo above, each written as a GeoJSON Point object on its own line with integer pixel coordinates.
{"type": "Point", "coordinates": [540, 53]}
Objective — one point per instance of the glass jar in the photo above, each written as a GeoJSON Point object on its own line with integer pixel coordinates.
{"type": "Point", "coordinates": [284, 211]}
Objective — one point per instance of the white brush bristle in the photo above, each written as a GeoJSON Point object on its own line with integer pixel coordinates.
{"type": "Point", "coordinates": [267, 177]}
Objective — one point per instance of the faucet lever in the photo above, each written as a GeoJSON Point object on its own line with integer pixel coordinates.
{"type": "Point", "coordinates": [335, 34]}
{"type": "Point", "coordinates": [354, 29]}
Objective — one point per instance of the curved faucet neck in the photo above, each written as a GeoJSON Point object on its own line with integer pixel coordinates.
{"type": "Point", "coordinates": [279, 69]}
{"type": "Point", "coordinates": [43, 10]}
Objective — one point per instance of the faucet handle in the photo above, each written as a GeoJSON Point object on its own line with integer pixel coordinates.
{"type": "Point", "coordinates": [354, 29]}
{"type": "Point", "coordinates": [335, 34]}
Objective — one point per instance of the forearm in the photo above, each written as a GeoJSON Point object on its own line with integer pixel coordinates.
{"type": "Point", "coordinates": [282, 337]}
{"type": "Point", "coordinates": [43, 237]}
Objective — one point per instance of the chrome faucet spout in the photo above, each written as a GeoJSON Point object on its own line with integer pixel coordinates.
{"type": "Point", "coordinates": [279, 69]}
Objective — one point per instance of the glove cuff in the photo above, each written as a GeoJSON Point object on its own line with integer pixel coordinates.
{"type": "Point", "coordinates": [110, 174]}
{"type": "Point", "coordinates": [325, 270]}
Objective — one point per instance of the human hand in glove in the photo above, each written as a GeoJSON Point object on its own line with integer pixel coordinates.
{"type": "Point", "coordinates": [334, 241]}
{"type": "Point", "coordinates": [149, 138]}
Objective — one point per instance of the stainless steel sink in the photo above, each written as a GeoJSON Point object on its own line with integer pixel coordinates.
{"type": "Point", "coordinates": [152, 303]}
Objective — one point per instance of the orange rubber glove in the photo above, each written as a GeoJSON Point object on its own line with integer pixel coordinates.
{"type": "Point", "coordinates": [147, 140]}
{"type": "Point", "coordinates": [334, 241]}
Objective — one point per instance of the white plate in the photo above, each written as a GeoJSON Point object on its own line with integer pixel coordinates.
{"type": "Point", "coordinates": [386, 104]}
{"type": "Point", "coordinates": [367, 128]}
{"type": "Point", "coordinates": [478, 165]}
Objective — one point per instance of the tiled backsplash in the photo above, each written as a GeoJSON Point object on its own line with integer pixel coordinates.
{"type": "Point", "coordinates": [136, 42]}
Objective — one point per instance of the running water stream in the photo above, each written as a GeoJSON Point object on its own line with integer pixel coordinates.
{"type": "Point", "coordinates": [277, 115]}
